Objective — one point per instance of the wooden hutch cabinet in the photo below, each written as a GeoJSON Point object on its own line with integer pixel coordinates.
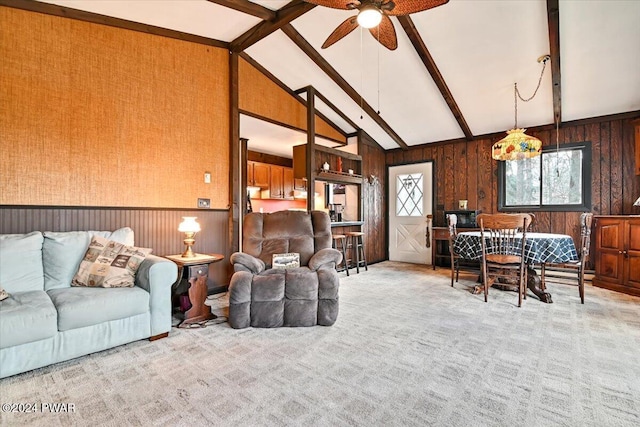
{"type": "Point", "coordinates": [617, 253]}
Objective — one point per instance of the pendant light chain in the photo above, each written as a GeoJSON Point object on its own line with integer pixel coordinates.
{"type": "Point", "coordinates": [517, 95]}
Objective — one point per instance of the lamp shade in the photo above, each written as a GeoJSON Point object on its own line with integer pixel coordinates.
{"type": "Point", "coordinates": [516, 146]}
{"type": "Point", "coordinates": [637, 202]}
{"type": "Point", "coordinates": [189, 225]}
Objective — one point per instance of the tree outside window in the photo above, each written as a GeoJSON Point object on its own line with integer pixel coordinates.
{"type": "Point", "coordinates": [557, 180]}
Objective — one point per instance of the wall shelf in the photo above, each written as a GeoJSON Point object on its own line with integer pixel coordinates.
{"type": "Point", "coordinates": [339, 177]}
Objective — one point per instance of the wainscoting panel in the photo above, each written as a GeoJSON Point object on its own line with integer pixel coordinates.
{"type": "Point", "coordinates": [153, 228]}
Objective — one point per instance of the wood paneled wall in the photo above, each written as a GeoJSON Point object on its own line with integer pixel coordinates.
{"type": "Point", "coordinates": [374, 199]}
{"type": "Point", "coordinates": [465, 170]}
{"type": "Point", "coordinates": [153, 228]}
{"type": "Point", "coordinates": [93, 115]}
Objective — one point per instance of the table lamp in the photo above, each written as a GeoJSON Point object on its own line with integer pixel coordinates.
{"type": "Point", "coordinates": [189, 227]}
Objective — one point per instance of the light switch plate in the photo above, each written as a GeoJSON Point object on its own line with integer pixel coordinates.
{"type": "Point", "coordinates": [204, 203]}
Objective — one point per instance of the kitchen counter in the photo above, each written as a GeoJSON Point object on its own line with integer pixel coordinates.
{"type": "Point", "coordinates": [346, 223]}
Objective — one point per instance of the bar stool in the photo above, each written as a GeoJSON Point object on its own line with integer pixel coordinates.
{"type": "Point", "coordinates": [357, 246]}
{"type": "Point", "coordinates": [340, 243]}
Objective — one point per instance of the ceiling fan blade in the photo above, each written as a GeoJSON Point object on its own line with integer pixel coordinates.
{"type": "Point", "coordinates": [406, 7]}
{"type": "Point", "coordinates": [343, 29]}
{"type": "Point", "coordinates": [387, 34]}
{"type": "Point", "coordinates": [336, 4]}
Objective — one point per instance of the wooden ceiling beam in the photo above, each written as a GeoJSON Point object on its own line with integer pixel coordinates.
{"type": "Point", "coordinates": [422, 51]}
{"type": "Point", "coordinates": [553, 18]}
{"type": "Point", "coordinates": [284, 16]}
{"type": "Point", "coordinates": [247, 7]}
{"type": "Point", "coordinates": [331, 72]}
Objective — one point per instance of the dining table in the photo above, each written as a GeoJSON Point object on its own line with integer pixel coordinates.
{"type": "Point", "coordinates": [540, 248]}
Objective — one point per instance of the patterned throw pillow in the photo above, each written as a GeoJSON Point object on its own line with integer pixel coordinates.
{"type": "Point", "coordinates": [109, 264]}
{"type": "Point", "coordinates": [3, 294]}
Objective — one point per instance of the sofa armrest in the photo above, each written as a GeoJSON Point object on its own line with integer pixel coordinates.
{"type": "Point", "coordinates": [246, 262]}
{"type": "Point", "coordinates": [156, 275]}
{"type": "Point", "coordinates": [324, 257]}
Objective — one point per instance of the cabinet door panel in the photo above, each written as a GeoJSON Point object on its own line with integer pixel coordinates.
{"type": "Point", "coordinates": [287, 183]}
{"type": "Point", "coordinates": [633, 255]}
{"type": "Point", "coordinates": [634, 271]}
{"type": "Point", "coordinates": [250, 180]}
{"type": "Point", "coordinates": [261, 175]}
{"type": "Point", "coordinates": [609, 260]}
{"type": "Point", "coordinates": [634, 235]}
{"type": "Point", "coordinates": [275, 189]}
{"type": "Point", "coordinates": [609, 267]}
{"type": "Point", "coordinates": [611, 235]}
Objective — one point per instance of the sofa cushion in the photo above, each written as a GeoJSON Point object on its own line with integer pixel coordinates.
{"type": "Point", "coordinates": [63, 251]}
{"type": "Point", "coordinates": [21, 262]}
{"type": "Point", "coordinates": [26, 317]}
{"type": "Point", "coordinates": [79, 307]}
{"type": "Point", "coordinates": [109, 264]}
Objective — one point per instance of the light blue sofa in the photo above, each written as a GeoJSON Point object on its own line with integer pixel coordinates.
{"type": "Point", "coordinates": [45, 320]}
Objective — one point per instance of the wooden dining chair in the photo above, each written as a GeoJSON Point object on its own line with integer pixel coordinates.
{"type": "Point", "coordinates": [578, 266]}
{"type": "Point", "coordinates": [452, 223]}
{"type": "Point", "coordinates": [503, 238]}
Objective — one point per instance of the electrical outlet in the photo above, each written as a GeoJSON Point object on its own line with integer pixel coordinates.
{"type": "Point", "coordinates": [204, 203]}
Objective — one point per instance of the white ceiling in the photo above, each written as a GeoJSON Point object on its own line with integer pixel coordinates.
{"type": "Point", "coordinates": [480, 47]}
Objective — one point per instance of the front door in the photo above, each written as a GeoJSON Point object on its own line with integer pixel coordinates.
{"type": "Point", "coordinates": [410, 202]}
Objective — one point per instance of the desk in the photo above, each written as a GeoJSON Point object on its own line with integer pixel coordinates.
{"type": "Point", "coordinates": [194, 271]}
{"type": "Point", "coordinates": [438, 236]}
{"type": "Point", "coordinates": [539, 248]}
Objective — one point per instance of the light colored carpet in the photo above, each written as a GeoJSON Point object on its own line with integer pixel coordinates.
{"type": "Point", "coordinates": [407, 349]}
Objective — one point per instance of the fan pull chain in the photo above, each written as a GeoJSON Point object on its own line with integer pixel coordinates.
{"type": "Point", "coordinates": [361, 73]}
{"type": "Point", "coordinates": [378, 69]}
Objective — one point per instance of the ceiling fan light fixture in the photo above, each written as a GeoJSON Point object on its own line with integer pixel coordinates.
{"type": "Point", "coordinates": [369, 16]}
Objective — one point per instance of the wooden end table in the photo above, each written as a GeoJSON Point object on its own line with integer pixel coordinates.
{"type": "Point", "coordinates": [195, 270]}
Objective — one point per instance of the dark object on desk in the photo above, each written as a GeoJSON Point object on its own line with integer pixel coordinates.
{"type": "Point", "coordinates": [465, 218]}
{"type": "Point", "coordinates": [503, 238]}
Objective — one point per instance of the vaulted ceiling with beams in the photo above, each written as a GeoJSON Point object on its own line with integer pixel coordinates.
{"type": "Point", "coordinates": [452, 75]}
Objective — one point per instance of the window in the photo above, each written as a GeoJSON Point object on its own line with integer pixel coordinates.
{"type": "Point", "coordinates": [557, 180]}
{"type": "Point", "coordinates": [409, 191]}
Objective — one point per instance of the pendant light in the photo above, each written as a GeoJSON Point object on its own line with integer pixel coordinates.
{"type": "Point", "coordinates": [517, 144]}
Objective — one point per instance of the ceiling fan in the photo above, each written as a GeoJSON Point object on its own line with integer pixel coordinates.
{"type": "Point", "coordinates": [372, 14]}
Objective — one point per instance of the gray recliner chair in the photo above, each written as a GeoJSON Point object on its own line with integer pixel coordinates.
{"type": "Point", "coordinates": [265, 297]}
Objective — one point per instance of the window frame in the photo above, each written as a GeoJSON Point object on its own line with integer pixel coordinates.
{"type": "Point", "coordinates": [585, 206]}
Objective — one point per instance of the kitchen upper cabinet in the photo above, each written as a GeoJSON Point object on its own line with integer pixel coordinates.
{"type": "Point", "coordinates": [276, 189]}
{"type": "Point", "coordinates": [281, 186]}
{"type": "Point", "coordinates": [258, 174]}
{"type": "Point", "coordinates": [617, 253]}
{"type": "Point", "coordinates": [287, 183]}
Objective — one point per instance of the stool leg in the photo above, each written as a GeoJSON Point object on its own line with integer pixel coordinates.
{"type": "Point", "coordinates": [364, 258]}
{"type": "Point", "coordinates": [343, 244]}
{"type": "Point", "coordinates": [356, 246]}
